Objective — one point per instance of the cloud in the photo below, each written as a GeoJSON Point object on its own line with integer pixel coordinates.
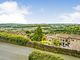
{"type": "Point", "coordinates": [77, 7]}
{"type": "Point", "coordinates": [12, 12]}
{"type": "Point", "coordinates": [73, 17]}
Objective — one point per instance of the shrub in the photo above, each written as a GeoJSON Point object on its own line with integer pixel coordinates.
{"type": "Point", "coordinates": [46, 42]}
{"type": "Point", "coordinates": [56, 42]}
{"type": "Point", "coordinates": [13, 38]}
{"type": "Point", "coordinates": [40, 55]}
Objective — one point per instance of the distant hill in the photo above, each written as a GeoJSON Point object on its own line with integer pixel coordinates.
{"type": "Point", "coordinates": [14, 25]}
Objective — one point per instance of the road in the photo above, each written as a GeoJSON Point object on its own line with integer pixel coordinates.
{"type": "Point", "coordinates": [14, 52]}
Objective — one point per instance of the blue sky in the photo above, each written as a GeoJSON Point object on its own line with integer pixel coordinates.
{"type": "Point", "coordinates": [40, 11]}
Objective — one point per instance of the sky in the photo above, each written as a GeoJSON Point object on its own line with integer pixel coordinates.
{"type": "Point", "coordinates": [40, 11]}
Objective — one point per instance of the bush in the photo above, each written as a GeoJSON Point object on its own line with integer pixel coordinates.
{"type": "Point", "coordinates": [56, 42]}
{"type": "Point", "coordinates": [40, 55]}
{"type": "Point", "coordinates": [13, 38]}
{"type": "Point", "coordinates": [46, 42]}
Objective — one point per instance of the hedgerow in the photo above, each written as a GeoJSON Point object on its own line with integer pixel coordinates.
{"type": "Point", "coordinates": [13, 38]}
{"type": "Point", "coordinates": [40, 55]}
{"type": "Point", "coordinates": [53, 49]}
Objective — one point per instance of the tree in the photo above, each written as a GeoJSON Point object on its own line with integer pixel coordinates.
{"type": "Point", "coordinates": [56, 42]}
{"type": "Point", "coordinates": [37, 35]}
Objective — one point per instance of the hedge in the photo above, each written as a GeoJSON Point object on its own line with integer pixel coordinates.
{"type": "Point", "coordinates": [13, 38]}
{"type": "Point", "coordinates": [40, 55]}
{"type": "Point", "coordinates": [53, 49]}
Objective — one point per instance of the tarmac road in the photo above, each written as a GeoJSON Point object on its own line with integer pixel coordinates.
{"type": "Point", "coordinates": [14, 52]}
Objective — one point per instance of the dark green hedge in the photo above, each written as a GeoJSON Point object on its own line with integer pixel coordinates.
{"type": "Point", "coordinates": [40, 55]}
{"type": "Point", "coordinates": [54, 49]}
{"type": "Point", "coordinates": [13, 38]}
